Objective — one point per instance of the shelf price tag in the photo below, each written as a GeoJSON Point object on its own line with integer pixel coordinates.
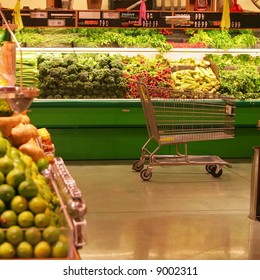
{"type": "Point", "coordinates": [38, 15]}
{"type": "Point", "coordinates": [56, 22]}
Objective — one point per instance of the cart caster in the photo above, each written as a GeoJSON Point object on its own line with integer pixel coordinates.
{"type": "Point", "coordinates": [146, 175]}
{"type": "Point", "coordinates": [138, 166]}
{"type": "Point", "coordinates": [209, 168]}
{"type": "Point", "coordinates": [213, 171]}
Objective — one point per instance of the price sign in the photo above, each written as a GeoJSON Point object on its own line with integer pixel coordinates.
{"type": "Point", "coordinates": [56, 22]}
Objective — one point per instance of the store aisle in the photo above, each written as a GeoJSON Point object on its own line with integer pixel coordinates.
{"type": "Point", "coordinates": [181, 213]}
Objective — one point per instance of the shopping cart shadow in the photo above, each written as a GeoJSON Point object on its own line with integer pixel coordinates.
{"type": "Point", "coordinates": [177, 121]}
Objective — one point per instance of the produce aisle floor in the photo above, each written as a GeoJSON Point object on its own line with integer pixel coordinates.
{"type": "Point", "coordinates": [181, 213]}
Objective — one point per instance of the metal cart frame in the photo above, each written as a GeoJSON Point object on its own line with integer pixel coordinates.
{"type": "Point", "coordinates": [176, 121]}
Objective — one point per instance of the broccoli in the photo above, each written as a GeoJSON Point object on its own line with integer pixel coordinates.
{"type": "Point", "coordinates": [72, 69]}
{"type": "Point", "coordinates": [83, 76]}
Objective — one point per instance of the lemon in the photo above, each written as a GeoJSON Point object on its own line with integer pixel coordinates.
{"type": "Point", "coordinates": [33, 235]}
{"type": "Point", "coordinates": [60, 249]}
{"type": "Point", "coordinates": [2, 206]}
{"type": "Point", "coordinates": [28, 189]}
{"type": "Point", "coordinates": [2, 178]}
{"type": "Point", "coordinates": [8, 218]}
{"type": "Point", "coordinates": [14, 153]}
{"type": "Point", "coordinates": [3, 147]}
{"type": "Point", "coordinates": [42, 249]}
{"type": "Point", "coordinates": [18, 163]}
{"type": "Point", "coordinates": [27, 160]}
{"type": "Point", "coordinates": [14, 235]}
{"type": "Point", "coordinates": [37, 205]}
{"type": "Point", "coordinates": [6, 164]}
{"type": "Point", "coordinates": [42, 164]}
{"type": "Point", "coordinates": [51, 234]}
{"type": "Point", "coordinates": [19, 204]}
{"type": "Point", "coordinates": [2, 236]}
{"type": "Point", "coordinates": [15, 177]}
{"type": "Point", "coordinates": [25, 219]}
{"type": "Point", "coordinates": [7, 250]}
{"type": "Point", "coordinates": [7, 192]}
{"type": "Point", "coordinates": [41, 220]}
{"type": "Point", "coordinates": [24, 250]}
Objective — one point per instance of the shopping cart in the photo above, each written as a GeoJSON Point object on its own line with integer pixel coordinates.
{"type": "Point", "coordinates": [182, 118]}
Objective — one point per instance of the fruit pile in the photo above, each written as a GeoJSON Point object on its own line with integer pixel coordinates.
{"type": "Point", "coordinates": [31, 224]}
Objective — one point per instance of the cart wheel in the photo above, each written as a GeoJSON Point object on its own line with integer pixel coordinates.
{"type": "Point", "coordinates": [213, 172]}
{"type": "Point", "coordinates": [137, 166]}
{"type": "Point", "coordinates": [146, 175]}
{"type": "Point", "coordinates": [209, 168]}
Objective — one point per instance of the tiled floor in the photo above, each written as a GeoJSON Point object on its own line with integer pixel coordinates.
{"type": "Point", "coordinates": [181, 213]}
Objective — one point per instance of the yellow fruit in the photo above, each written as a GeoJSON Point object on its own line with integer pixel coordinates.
{"type": "Point", "coordinates": [42, 164]}
{"type": "Point", "coordinates": [8, 218]}
{"type": "Point", "coordinates": [7, 250]}
{"type": "Point", "coordinates": [33, 235]}
{"type": "Point", "coordinates": [14, 153]}
{"type": "Point", "coordinates": [3, 147]}
{"type": "Point", "coordinates": [51, 234]}
{"type": "Point", "coordinates": [18, 163]}
{"type": "Point", "coordinates": [28, 189]}
{"type": "Point", "coordinates": [37, 205]}
{"type": "Point", "coordinates": [60, 249]}
{"type": "Point", "coordinates": [25, 219]}
{"type": "Point", "coordinates": [14, 235]}
{"type": "Point", "coordinates": [19, 204]}
{"type": "Point", "coordinates": [6, 164]}
{"type": "Point", "coordinates": [42, 249]}
{"type": "Point", "coordinates": [2, 236]}
{"type": "Point", "coordinates": [15, 177]}
{"type": "Point", "coordinates": [24, 250]}
{"type": "Point", "coordinates": [42, 220]}
{"type": "Point", "coordinates": [27, 160]}
{"type": "Point", "coordinates": [2, 206]}
{"type": "Point", "coordinates": [7, 192]}
{"type": "Point", "coordinates": [2, 178]}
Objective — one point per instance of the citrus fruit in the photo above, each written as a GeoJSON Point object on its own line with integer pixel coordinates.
{"type": "Point", "coordinates": [8, 218]}
{"type": "Point", "coordinates": [37, 205]}
{"type": "Point", "coordinates": [24, 250]}
{"type": "Point", "coordinates": [42, 249]}
{"type": "Point", "coordinates": [15, 177]}
{"type": "Point", "coordinates": [2, 178]}
{"type": "Point", "coordinates": [27, 160]}
{"type": "Point", "coordinates": [18, 163]}
{"type": "Point", "coordinates": [2, 206]}
{"type": "Point", "coordinates": [19, 204]}
{"type": "Point", "coordinates": [51, 234]}
{"type": "Point", "coordinates": [6, 164]}
{"type": "Point", "coordinates": [42, 164]}
{"type": "Point", "coordinates": [25, 219]}
{"type": "Point", "coordinates": [7, 192]}
{"type": "Point", "coordinates": [7, 250]}
{"type": "Point", "coordinates": [2, 236]}
{"type": "Point", "coordinates": [14, 235]}
{"type": "Point", "coordinates": [33, 235]}
{"type": "Point", "coordinates": [3, 146]}
{"type": "Point", "coordinates": [41, 220]}
{"type": "Point", "coordinates": [14, 153]}
{"type": "Point", "coordinates": [28, 189]}
{"type": "Point", "coordinates": [60, 249]}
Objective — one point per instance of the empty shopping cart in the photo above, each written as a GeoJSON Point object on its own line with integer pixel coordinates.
{"type": "Point", "coordinates": [184, 117]}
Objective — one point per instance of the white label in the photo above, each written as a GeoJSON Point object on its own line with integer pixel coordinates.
{"type": "Point", "coordinates": [39, 15]}
{"type": "Point", "coordinates": [56, 22]}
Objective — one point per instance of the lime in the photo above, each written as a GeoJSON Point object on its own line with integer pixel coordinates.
{"type": "Point", "coordinates": [19, 204]}
{"type": "Point", "coordinates": [15, 177]}
{"type": "Point", "coordinates": [2, 236]}
{"type": "Point", "coordinates": [42, 164]}
{"type": "Point", "coordinates": [24, 250]}
{"type": "Point", "coordinates": [42, 249]}
{"type": "Point", "coordinates": [42, 220]}
{"type": "Point", "coordinates": [33, 235]}
{"type": "Point", "coordinates": [2, 178]}
{"type": "Point", "coordinates": [37, 205]}
{"type": "Point", "coordinates": [14, 235]}
{"type": "Point", "coordinates": [14, 153]}
{"type": "Point", "coordinates": [28, 189]}
{"type": "Point", "coordinates": [7, 250]}
{"type": "Point", "coordinates": [51, 234]}
{"type": "Point", "coordinates": [60, 249]}
{"type": "Point", "coordinates": [18, 163]}
{"type": "Point", "coordinates": [6, 164]}
{"type": "Point", "coordinates": [3, 146]}
{"type": "Point", "coordinates": [27, 160]}
{"type": "Point", "coordinates": [25, 219]}
{"type": "Point", "coordinates": [8, 218]}
{"type": "Point", "coordinates": [7, 192]}
{"type": "Point", "coordinates": [2, 206]}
